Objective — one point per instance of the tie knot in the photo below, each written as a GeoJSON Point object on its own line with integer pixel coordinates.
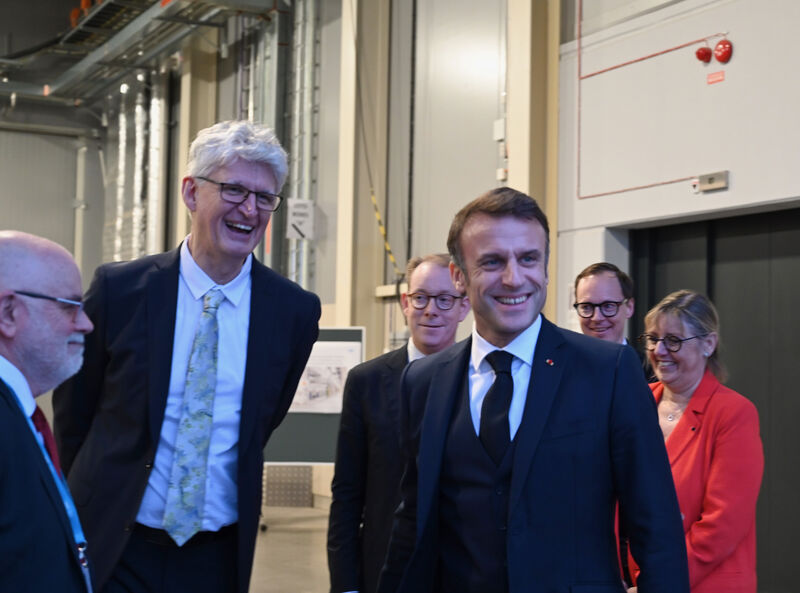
{"type": "Point", "coordinates": [500, 361]}
{"type": "Point", "coordinates": [212, 300]}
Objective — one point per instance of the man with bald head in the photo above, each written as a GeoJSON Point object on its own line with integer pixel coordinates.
{"type": "Point", "coordinates": [42, 325]}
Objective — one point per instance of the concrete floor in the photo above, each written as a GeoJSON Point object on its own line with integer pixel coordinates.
{"type": "Point", "coordinates": [291, 555]}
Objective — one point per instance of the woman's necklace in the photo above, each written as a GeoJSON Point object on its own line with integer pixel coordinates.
{"type": "Point", "coordinates": [676, 412]}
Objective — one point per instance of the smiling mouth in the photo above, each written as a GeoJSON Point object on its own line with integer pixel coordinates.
{"type": "Point", "coordinates": [239, 227]}
{"type": "Point", "coordinates": [512, 300]}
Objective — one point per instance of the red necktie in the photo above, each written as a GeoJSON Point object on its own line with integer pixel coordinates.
{"type": "Point", "coordinates": [40, 422]}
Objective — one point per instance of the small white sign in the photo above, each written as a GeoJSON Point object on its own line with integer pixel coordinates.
{"type": "Point", "coordinates": [300, 224]}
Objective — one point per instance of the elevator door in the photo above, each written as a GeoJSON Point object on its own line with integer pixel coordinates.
{"type": "Point", "coordinates": [750, 267]}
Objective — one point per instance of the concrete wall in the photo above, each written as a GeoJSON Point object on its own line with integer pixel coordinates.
{"type": "Point", "coordinates": [659, 120]}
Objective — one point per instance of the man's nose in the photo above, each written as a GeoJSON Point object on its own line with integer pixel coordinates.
{"type": "Point", "coordinates": [511, 273]}
{"type": "Point", "coordinates": [82, 322]}
{"type": "Point", "coordinates": [248, 205]}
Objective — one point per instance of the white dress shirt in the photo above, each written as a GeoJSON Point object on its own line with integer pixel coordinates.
{"type": "Point", "coordinates": [414, 353]}
{"type": "Point", "coordinates": [481, 374]}
{"type": "Point", "coordinates": [233, 317]}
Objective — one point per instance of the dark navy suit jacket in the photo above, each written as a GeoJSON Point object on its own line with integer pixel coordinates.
{"type": "Point", "coordinates": [589, 437]}
{"type": "Point", "coordinates": [109, 416]}
{"type": "Point", "coordinates": [366, 482]}
{"type": "Point", "coordinates": [37, 547]}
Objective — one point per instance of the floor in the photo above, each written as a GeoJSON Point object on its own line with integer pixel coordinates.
{"type": "Point", "coordinates": [291, 555]}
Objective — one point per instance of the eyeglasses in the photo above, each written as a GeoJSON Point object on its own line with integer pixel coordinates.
{"type": "Point", "coordinates": [236, 194]}
{"type": "Point", "coordinates": [671, 343]}
{"type": "Point", "coordinates": [68, 302]}
{"type": "Point", "coordinates": [445, 301]}
{"type": "Point", "coordinates": [607, 308]}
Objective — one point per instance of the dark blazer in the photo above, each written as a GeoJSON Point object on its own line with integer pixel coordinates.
{"type": "Point", "coordinates": [589, 437]}
{"type": "Point", "coordinates": [366, 480]}
{"type": "Point", "coordinates": [109, 416]}
{"type": "Point", "coordinates": [37, 547]}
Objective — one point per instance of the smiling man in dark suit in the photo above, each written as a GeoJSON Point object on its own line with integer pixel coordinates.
{"type": "Point", "coordinates": [194, 361]}
{"type": "Point", "coordinates": [520, 440]}
{"type": "Point", "coordinates": [366, 482]}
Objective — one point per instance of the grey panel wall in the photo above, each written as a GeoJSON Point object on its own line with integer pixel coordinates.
{"type": "Point", "coordinates": [460, 65]}
{"type": "Point", "coordinates": [38, 173]}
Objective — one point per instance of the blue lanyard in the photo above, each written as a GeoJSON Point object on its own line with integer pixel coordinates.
{"type": "Point", "coordinates": [69, 507]}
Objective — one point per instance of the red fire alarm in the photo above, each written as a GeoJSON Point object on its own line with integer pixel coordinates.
{"type": "Point", "coordinates": [723, 51]}
{"type": "Point", "coordinates": [703, 54]}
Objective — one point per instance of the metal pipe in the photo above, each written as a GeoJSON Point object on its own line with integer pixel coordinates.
{"type": "Point", "coordinates": [155, 171]}
{"type": "Point", "coordinates": [80, 202]}
{"type": "Point", "coordinates": [309, 60]}
{"type": "Point", "coordinates": [138, 231]}
{"type": "Point", "coordinates": [122, 122]}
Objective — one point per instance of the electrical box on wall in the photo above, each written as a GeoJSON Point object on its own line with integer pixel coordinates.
{"type": "Point", "coordinates": [713, 181]}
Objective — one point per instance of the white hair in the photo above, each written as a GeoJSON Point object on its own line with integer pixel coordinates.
{"type": "Point", "coordinates": [227, 141]}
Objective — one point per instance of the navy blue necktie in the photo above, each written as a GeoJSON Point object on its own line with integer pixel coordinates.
{"type": "Point", "coordinates": [494, 431]}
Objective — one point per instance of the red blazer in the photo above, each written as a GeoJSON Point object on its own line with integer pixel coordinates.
{"type": "Point", "coordinates": [717, 462]}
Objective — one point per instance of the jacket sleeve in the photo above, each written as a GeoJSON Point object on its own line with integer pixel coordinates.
{"type": "Point", "coordinates": [731, 490]}
{"type": "Point", "coordinates": [344, 541]}
{"type": "Point", "coordinates": [403, 539]}
{"type": "Point", "coordinates": [75, 401]}
{"type": "Point", "coordinates": [643, 480]}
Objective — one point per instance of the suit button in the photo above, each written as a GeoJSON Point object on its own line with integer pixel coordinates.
{"type": "Point", "coordinates": [148, 465]}
{"type": "Point", "coordinates": [128, 527]}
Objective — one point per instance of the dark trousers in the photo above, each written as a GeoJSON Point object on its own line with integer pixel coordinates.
{"type": "Point", "coordinates": [153, 563]}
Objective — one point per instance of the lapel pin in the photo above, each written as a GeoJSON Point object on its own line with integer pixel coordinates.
{"type": "Point", "coordinates": [549, 362]}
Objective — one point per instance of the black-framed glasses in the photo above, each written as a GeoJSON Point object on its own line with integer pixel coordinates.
{"type": "Point", "coordinates": [68, 302]}
{"type": "Point", "coordinates": [607, 308]}
{"type": "Point", "coordinates": [671, 343]}
{"type": "Point", "coordinates": [236, 194]}
{"type": "Point", "coordinates": [445, 301]}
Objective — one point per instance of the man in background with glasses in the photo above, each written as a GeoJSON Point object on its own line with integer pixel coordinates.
{"type": "Point", "coordinates": [604, 301]}
{"type": "Point", "coordinates": [366, 482]}
{"type": "Point", "coordinates": [42, 329]}
{"type": "Point", "coordinates": [194, 362]}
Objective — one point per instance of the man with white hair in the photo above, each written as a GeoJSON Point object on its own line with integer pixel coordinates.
{"type": "Point", "coordinates": [42, 329]}
{"type": "Point", "coordinates": [195, 361]}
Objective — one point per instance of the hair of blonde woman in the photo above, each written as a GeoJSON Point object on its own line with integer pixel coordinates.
{"type": "Point", "coordinates": [696, 312]}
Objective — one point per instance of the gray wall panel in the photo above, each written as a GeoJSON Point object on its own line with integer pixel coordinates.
{"type": "Point", "coordinates": [459, 77]}
{"type": "Point", "coordinates": [38, 173]}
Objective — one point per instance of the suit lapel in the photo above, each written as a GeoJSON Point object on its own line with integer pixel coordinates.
{"type": "Point", "coordinates": [445, 387]}
{"type": "Point", "coordinates": [162, 298]}
{"type": "Point", "coordinates": [396, 361]}
{"type": "Point", "coordinates": [46, 477]}
{"type": "Point", "coordinates": [550, 360]}
{"type": "Point", "coordinates": [689, 424]}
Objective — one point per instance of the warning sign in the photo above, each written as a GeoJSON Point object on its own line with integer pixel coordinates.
{"type": "Point", "coordinates": [300, 224]}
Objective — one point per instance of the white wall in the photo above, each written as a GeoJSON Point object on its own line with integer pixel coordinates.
{"type": "Point", "coordinates": [658, 120]}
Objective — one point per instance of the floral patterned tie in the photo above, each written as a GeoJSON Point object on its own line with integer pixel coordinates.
{"type": "Point", "coordinates": [183, 515]}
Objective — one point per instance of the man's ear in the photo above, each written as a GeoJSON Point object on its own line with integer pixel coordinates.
{"type": "Point", "coordinates": [404, 304]}
{"type": "Point", "coordinates": [188, 192]}
{"type": "Point", "coordinates": [629, 308]}
{"type": "Point", "coordinates": [457, 277]}
{"type": "Point", "coordinates": [465, 306]}
{"type": "Point", "coordinates": [8, 314]}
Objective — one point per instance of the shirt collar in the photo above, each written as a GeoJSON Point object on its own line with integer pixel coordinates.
{"type": "Point", "coordinates": [14, 378]}
{"type": "Point", "coordinates": [199, 283]}
{"type": "Point", "coordinates": [522, 347]}
{"type": "Point", "coordinates": [414, 353]}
